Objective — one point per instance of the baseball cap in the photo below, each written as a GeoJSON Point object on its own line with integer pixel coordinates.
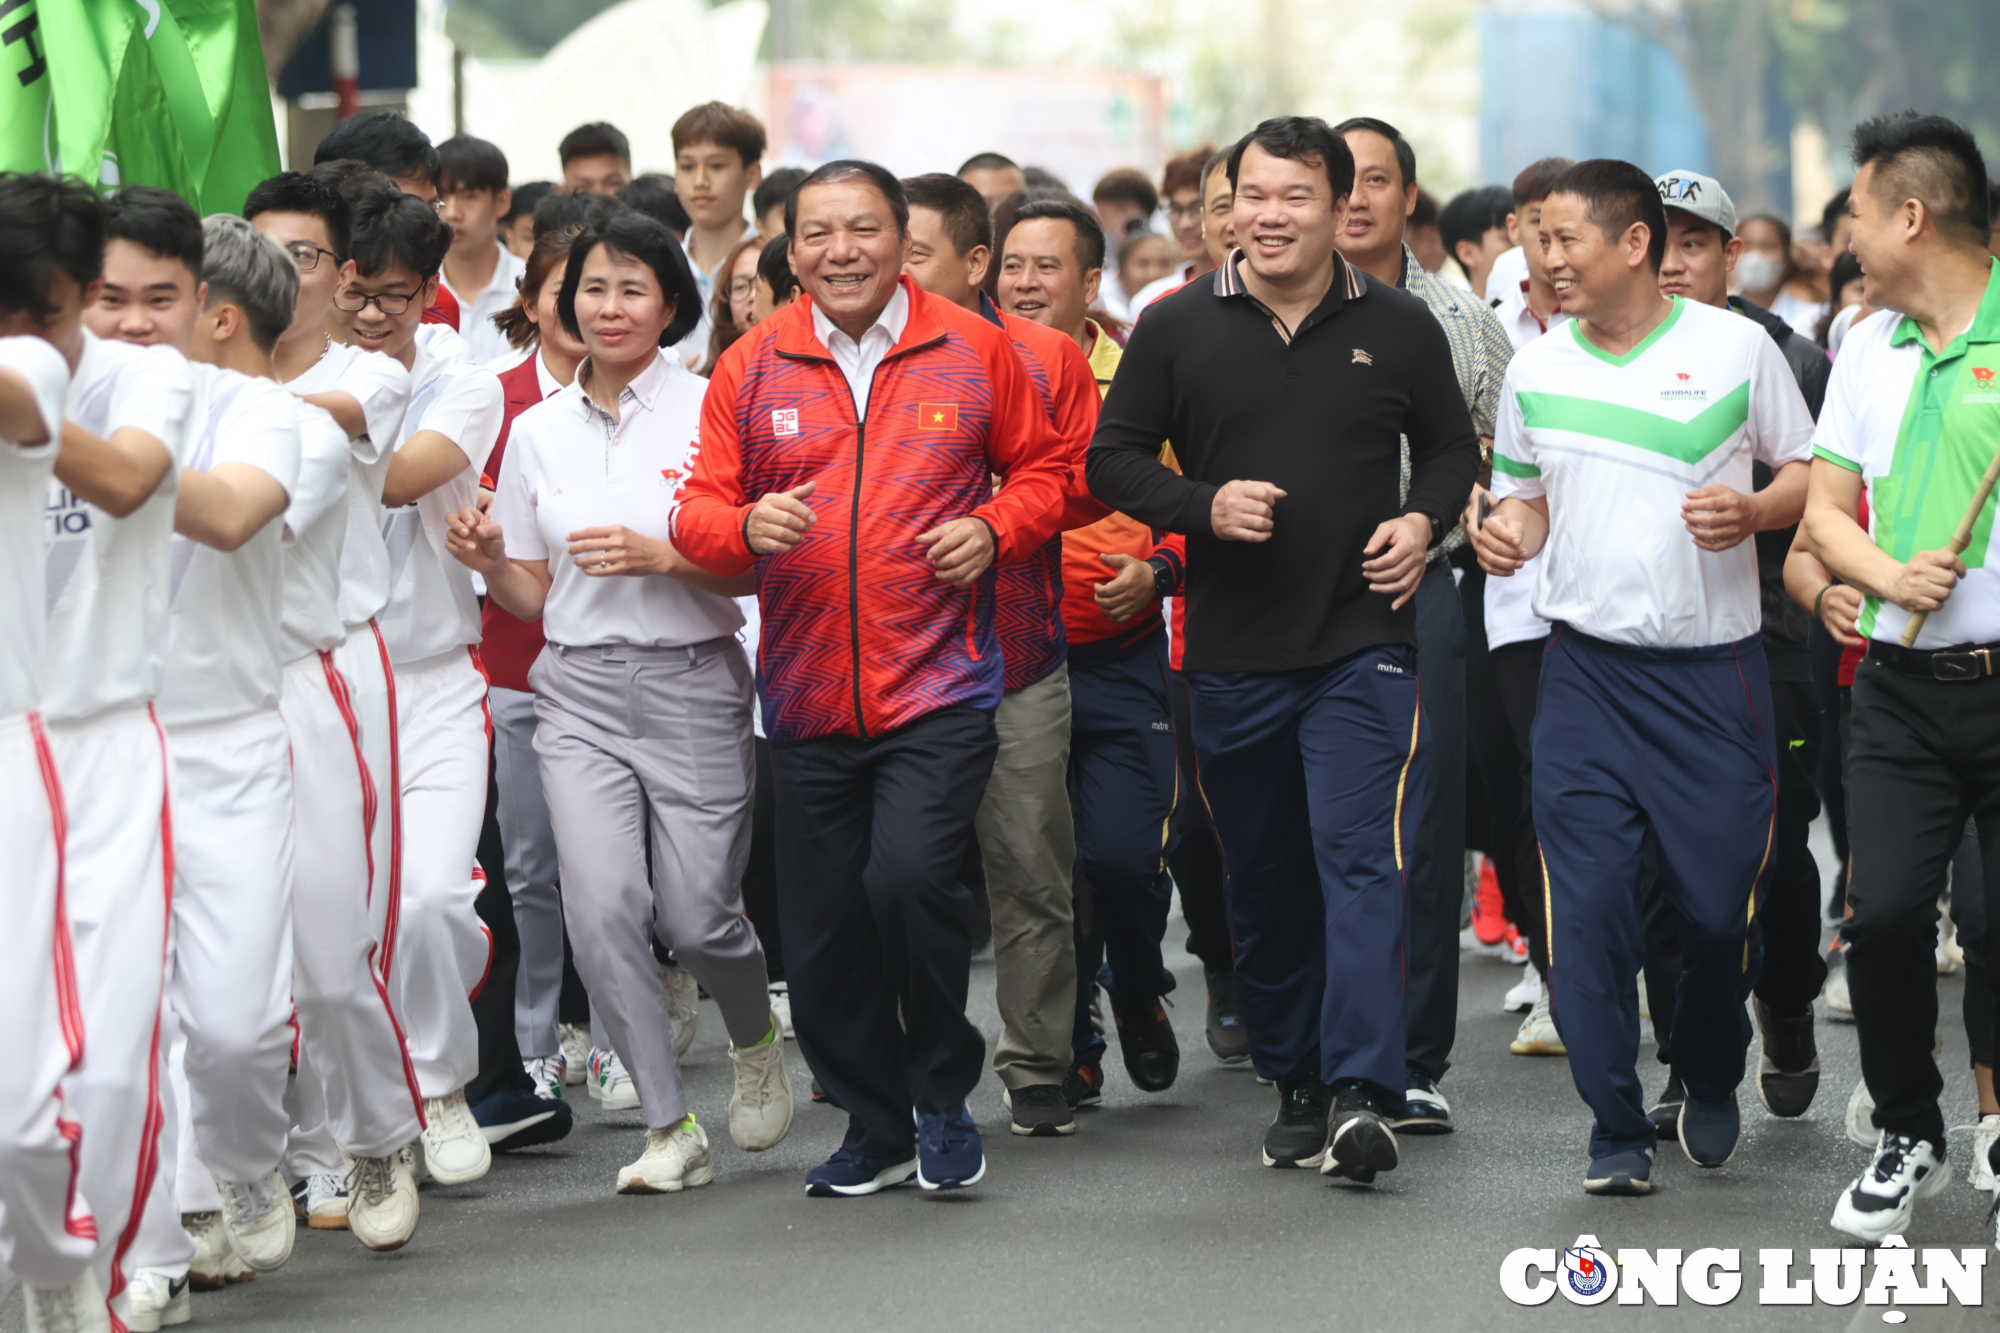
{"type": "Point", "coordinates": [1703, 196]}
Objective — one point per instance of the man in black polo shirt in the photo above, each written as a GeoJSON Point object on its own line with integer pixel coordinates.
{"type": "Point", "coordinates": [1285, 382]}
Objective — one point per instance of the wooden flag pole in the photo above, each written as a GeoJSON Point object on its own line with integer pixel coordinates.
{"type": "Point", "coordinates": [1959, 540]}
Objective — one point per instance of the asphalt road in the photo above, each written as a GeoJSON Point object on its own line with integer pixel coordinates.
{"type": "Point", "coordinates": [1156, 1215]}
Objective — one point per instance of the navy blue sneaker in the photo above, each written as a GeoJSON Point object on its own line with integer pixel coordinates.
{"type": "Point", "coordinates": [1709, 1130]}
{"type": "Point", "coordinates": [1628, 1172]}
{"type": "Point", "coordinates": [519, 1118]}
{"type": "Point", "coordinates": [848, 1174]}
{"type": "Point", "coordinates": [949, 1154]}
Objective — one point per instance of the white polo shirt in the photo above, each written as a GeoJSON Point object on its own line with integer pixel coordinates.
{"type": "Point", "coordinates": [223, 655]}
{"type": "Point", "coordinates": [1615, 443]}
{"type": "Point", "coordinates": [108, 577]}
{"type": "Point", "coordinates": [1510, 602]}
{"type": "Point", "coordinates": [484, 343]}
{"type": "Point", "coordinates": [571, 465]}
{"type": "Point", "coordinates": [382, 387]}
{"type": "Point", "coordinates": [432, 607]}
{"type": "Point", "coordinates": [25, 470]}
{"type": "Point", "coordinates": [315, 533]}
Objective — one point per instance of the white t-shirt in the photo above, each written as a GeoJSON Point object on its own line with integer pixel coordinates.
{"type": "Point", "coordinates": [485, 344]}
{"type": "Point", "coordinates": [25, 471]}
{"type": "Point", "coordinates": [315, 533]}
{"type": "Point", "coordinates": [1182, 275]}
{"type": "Point", "coordinates": [108, 577]}
{"type": "Point", "coordinates": [432, 607]}
{"type": "Point", "coordinates": [1616, 443]}
{"type": "Point", "coordinates": [382, 387]}
{"type": "Point", "coordinates": [1510, 602]}
{"type": "Point", "coordinates": [223, 653]}
{"type": "Point", "coordinates": [569, 465]}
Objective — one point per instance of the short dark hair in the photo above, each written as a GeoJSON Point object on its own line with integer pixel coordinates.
{"type": "Point", "coordinates": [385, 141]}
{"type": "Point", "coordinates": [1126, 185]}
{"type": "Point", "coordinates": [988, 162]}
{"type": "Point", "coordinates": [1616, 195]}
{"type": "Point", "coordinates": [1424, 212]}
{"type": "Point", "coordinates": [48, 225]}
{"type": "Point", "coordinates": [848, 168]}
{"type": "Point", "coordinates": [1217, 161]}
{"type": "Point", "coordinates": [296, 192]}
{"type": "Point", "coordinates": [771, 191]}
{"type": "Point", "coordinates": [1933, 159]}
{"type": "Point", "coordinates": [391, 227]}
{"type": "Point", "coordinates": [573, 211]}
{"type": "Point", "coordinates": [1537, 180]}
{"type": "Point", "coordinates": [599, 138]}
{"type": "Point", "coordinates": [1041, 178]}
{"type": "Point", "coordinates": [653, 194]}
{"type": "Point", "coordinates": [967, 221]}
{"type": "Point", "coordinates": [1305, 139]}
{"type": "Point", "coordinates": [774, 266]}
{"type": "Point", "coordinates": [466, 163]}
{"type": "Point", "coordinates": [647, 240]}
{"type": "Point", "coordinates": [1406, 156]}
{"type": "Point", "coordinates": [351, 177]}
{"type": "Point", "coordinates": [1830, 216]}
{"type": "Point", "coordinates": [549, 255]}
{"type": "Point", "coordinates": [725, 126]}
{"type": "Point", "coordinates": [525, 197]}
{"type": "Point", "coordinates": [1089, 233]}
{"type": "Point", "coordinates": [1470, 215]}
{"type": "Point", "coordinates": [1189, 170]}
{"type": "Point", "coordinates": [157, 219]}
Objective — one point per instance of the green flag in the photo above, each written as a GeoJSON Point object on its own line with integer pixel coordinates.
{"type": "Point", "coordinates": [138, 92]}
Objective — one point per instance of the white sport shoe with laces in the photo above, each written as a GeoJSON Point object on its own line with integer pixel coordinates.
{"type": "Point", "coordinates": [382, 1201]}
{"type": "Point", "coordinates": [326, 1202]}
{"type": "Point", "coordinates": [575, 1038]}
{"type": "Point", "coordinates": [215, 1259]}
{"type": "Point", "coordinates": [1984, 1135]}
{"type": "Point", "coordinates": [610, 1084]}
{"type": "Point", "coordinates": [781, 1005]}
{"type": "Point", "coordinates": [258, 1215]}
{"type": "Point", "coordinates": [1521, 996]}
{"type": "Point", "coordinates": [157, 1301]}
{"type": "Point", "coordinates": [1881, 1199]}
{"type": "Point", "coordinates": [1538, 1035]}
{"type": "Point", "coordinates": [760, 1109]}
{"type": "Point", "coordinates": [683, 1005]}
{"type": "Point", "coordinates": [455, 1147]}
{"type": "Point", "coordinates": [548, 1074]}
{"type": "Point", "coordinates": [676, 1158]}
{"type": "Point", "coordinates": [77, 1308]}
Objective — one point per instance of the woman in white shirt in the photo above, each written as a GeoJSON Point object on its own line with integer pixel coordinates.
{"type": "Point", "coordinates": [643, 695]}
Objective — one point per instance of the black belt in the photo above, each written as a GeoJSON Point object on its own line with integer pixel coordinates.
{"type": "Point", "coordinates": [1972, 662]}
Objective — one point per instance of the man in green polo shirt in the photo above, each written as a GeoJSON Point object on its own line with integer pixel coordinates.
{"type": "Point", "coordinates": [1913, 414]}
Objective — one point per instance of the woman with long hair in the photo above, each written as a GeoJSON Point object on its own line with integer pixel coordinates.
{"type": "Point", "coordinates": [735, 289]}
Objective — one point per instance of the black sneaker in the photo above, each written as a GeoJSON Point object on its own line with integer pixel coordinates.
{"type": "Point", "coordinates": [1788, 1065]}
{"type": "Point", "coordinates": [1084, 1084]}
{"type": "Point", "coordinates": [1425, 1111]}
{"type": "Point", "coordinates": [819, 1094]}
{"type": "Point", "coordinates": [1227, 1037]}
{"type": "Point", "coordinates": [1666, 1112]}
{"type": "Point", "coordinates": [1359, 1141]}
{"type": "Point", "coordinates": [1709, 1130]}
{"type": "Point", "coordinates": [517, 1118]}
{"type": "Point", "coordinates": [1040, 1111]}
{"type": "Point", "coordinates": [1146, 1040]}
{"type": "Point", "coordinates": [1298, 1136]}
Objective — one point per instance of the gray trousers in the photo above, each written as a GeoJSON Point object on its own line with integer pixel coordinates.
{"type": "Point", "coordinates": [1028, 844]}
{"type": "Point", "coordinates": [529, 844]}
{"type": "Point", "coordinates": [626, 736]}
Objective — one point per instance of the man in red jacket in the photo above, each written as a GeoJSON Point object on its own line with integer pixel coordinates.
{"type": "Point", "coordinates": [847, 451]}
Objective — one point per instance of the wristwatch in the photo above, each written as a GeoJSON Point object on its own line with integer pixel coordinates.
{"type": "Point", "coordinates": [1163, 577]}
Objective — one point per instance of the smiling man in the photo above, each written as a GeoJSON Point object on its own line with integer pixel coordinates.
{"type": "Point", "coordinates": [1287, 382]}
{"type": "Point", "coordinates": [1624, 452]}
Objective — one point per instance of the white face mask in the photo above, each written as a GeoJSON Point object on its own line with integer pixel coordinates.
{"type": "Point", "coordinates": [1757, 271]}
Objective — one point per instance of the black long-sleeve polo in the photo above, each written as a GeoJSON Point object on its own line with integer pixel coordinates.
{"type": "Point", "coordinates": [1320, 414]}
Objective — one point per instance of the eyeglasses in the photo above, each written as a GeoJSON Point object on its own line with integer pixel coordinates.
{"type": "Point", "coordinates": [1184, 212]}
{"type": "Point", "coordinates": [389, 303]}
{"type": "Point", "coordinates": [306, 255]}
{"type": "Point", "coordinates": [745, 287]}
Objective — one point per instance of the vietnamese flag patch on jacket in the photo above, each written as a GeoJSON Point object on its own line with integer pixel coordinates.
{"type": "Point", "coordinates": [937, 416]}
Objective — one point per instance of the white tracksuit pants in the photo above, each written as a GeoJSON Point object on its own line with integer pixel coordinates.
{"type": "Point", "coordinates": [529, 843]}
{"type": "Point", "coordinates": [163, 1245]}
{"type": "Point", "coordinates": [47, 1235]}
{"type": "Point", "coordinates": [117, 863]}
{"type": "Point", "coordinates": [441, 951]}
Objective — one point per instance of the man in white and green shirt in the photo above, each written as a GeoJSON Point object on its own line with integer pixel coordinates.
{"type": "Point", "coordinates": [1623, 455]}
{"type": "Point", "coordinates": [1913, 415]}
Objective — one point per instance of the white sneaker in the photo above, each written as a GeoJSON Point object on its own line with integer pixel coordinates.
{"type": "Point", "coordinates": [1538, 1035]}
{"type": "Point", "coordinates": [1839, 1007]}
{"type": "Point", "coordinates": [382, 1201]}
{"type": "Point", "coordinates": [326, 1202]}
{"type": "Point", "coordinates": [575, 1039]}
{"type": "Point", "coordinates": [760, 1109]}
{"type": "Point", "coordinates": [1861, 1131]}
{"type": "Point", "coordinates": [1984, 1135]}
{"type": "Point", "coordinates": [1950, 957]}
{"type": "Point", "coordinates": [455, 1148]}
{"type": "Point", "coordinates": [1645, 1002]}
{"type": "Point", "coordinates": [1881, 1199]}
{"type": "Point", "coordinates": [675, 1159]}
{"type": "Point", "coordinates": [781, 1005]}
{"type": "Point", "coordinates": [683, 1004]}
{"type": "Point", "coordinates": [259, 1217]}
{"type": "Point", "coordinates": [1521, 996]}
{"type": "Point", "coordinates": [215, 1259]}
{"type": "Point", "coordinates": [610, 1083]}
{"type": "Point", "coordinates": [158, 1302]}
{"type": "Point", "coordinates": [548, 1074]}
{"type": "Point", "coordinates": [77, 1308]}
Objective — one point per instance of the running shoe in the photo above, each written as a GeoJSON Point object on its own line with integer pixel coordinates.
{"type": "Point", "coordinates": [1360, 1145]}
{"type": "Point", "coordinates": [609, 1083]}
{"type": "Point", "coordinates": [1880, 1201]}
{"type": "Point", "coordinates": [1538, 1035]}
{"type": "Point", "coordinates": [1228, 1039]}
{"type": "Point", "coordinates": [1787, 1063]}
{"type": "Point", "coordinates": [382, 1203]}
{"type": "Point", "coordinates": [1084, 1084]}
{"type": "Point", "coordinates": [760, 1106]}
{"type": "Point", "coordinates": [950, 1155]}
{"type": "Point", "coordinates": [1628, 1172]}
{"type": "Point", "coordinates": [548, 1074]}
{"type": "Point", "coordinates": [847, 1174]}
{"type": "Point", "coordinates": [1297, 1136]}
{"type": "Point", "coordinates": [158, 1302]}
{"type": "Point", "coordinates": [676, 1158]}
{"type": "Point", "coordinates": [1146, 1041]}
{"type": "Point", "coordinates": [455, 1147]}
{"type": "Point", "coordinates": [1521, 996]}
{"type": "Point", "coordinates": [258, 1215]}
{"type": "Point", "coordinates": [1039, 1111]}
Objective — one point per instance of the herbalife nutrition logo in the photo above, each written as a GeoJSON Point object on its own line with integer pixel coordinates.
{"type": "Point", "coordinates": [1681, 393]}
{"type": "Point", "coordinates": [1893, 1275]}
